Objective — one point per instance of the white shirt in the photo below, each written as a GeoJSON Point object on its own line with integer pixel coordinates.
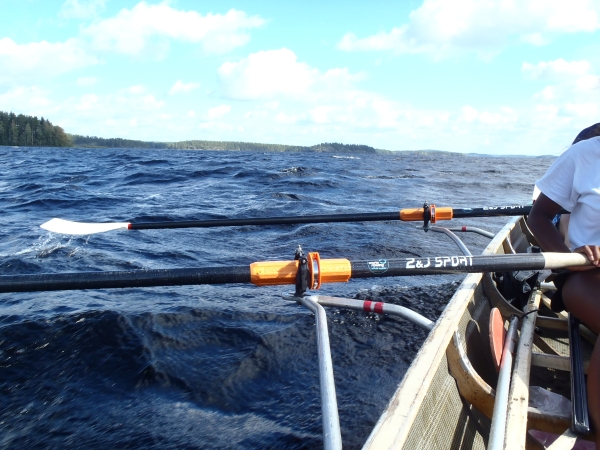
{"type": "Point", "coordinates": [573, 181]}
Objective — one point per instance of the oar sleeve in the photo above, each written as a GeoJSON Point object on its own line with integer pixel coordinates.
{"type": "Point", "coordinates": [416, 214]}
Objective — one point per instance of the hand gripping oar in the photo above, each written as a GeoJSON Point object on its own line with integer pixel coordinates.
{"type": "Point", "coordinates": [429, 214]}
{"type": "Point", "coordinates": [271, 273]}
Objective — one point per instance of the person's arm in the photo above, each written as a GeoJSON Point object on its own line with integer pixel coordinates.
{"type": "Point", "coordinates": [540, 224]}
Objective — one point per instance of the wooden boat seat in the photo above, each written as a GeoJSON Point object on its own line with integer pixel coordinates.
{"type": "Point", "coordinates": [480, 394]}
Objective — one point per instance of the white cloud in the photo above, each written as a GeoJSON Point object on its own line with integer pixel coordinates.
{"type": "Point", "coordinates": [469, 113]}
{"type": "Point", "coordinates": [144, 29]}
{"type": "Point", "coordinates": [441, 26]}
{"type": "Point", "coordinates": [322, 114]}
{"type": "Point", "coordinates": [287, 119]}
{"type": "Point", "coordinates": [570, 99]}
{"type": "Point", "coordinates": [555, 69]}
{"type": "Point", "coordinates": [265, 74]}
{"type": "Point", "coordinates": [81, 9]}
{"type": "Point", "coordinates": [131, 101]}
{"type": "Point", "coordinates": [113, 115]}
{"type": "Point", "coordinates": [218, 111]}
{"type": "Point", "coordinates": [27, 100]}
{"type": "Point", "coordinates": [87, 102]}
{"type": "Point", "coordinates": [136, 89]}
{"type": "Point", "coordinates": [587, 83]}
{"type": "Point", "coordinates": [132, 31]}
{"type": "Point", "coordinates": [571, 82]}
{"type": "Point", "coordinates": [585, 110]}
{"type": "Point", "coordinates": [180, 86]}
{"type": "Point", "coordinates": [86, 81]}
{"type": "Point", "coordinates": [271, 73]}
{"type": "Point", "coordinates": [537, 39]}
{"type": "Point", "coordinates": [218, 127]}
{"type": "Point", "coordinates": [41, 59]}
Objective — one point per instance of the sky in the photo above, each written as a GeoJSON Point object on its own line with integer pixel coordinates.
{"type": "Point", "coordinates": [477, 76]}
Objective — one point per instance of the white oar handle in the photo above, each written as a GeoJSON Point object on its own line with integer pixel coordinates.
{"type": "Point", "coordinates": [562, 260]}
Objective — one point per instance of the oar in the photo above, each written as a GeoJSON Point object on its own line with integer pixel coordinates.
{"type": "Point", "coordinates": [271, 273]}
{"type": "Point", "coordinates": [412, 214]}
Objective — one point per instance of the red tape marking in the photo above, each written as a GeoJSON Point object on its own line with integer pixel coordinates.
{"type": "Point", "coordinates": [370, 306]}
{"type": "Point", "coordinates": [464, 228]}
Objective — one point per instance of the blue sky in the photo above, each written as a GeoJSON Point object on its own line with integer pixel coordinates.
{"type": "Point", "coordinates": [484, 76]}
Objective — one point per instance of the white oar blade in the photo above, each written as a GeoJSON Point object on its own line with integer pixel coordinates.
{"type": "Point", "coordinates": [67, 227]}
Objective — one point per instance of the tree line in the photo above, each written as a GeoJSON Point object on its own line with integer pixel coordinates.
{"type": "Point", "coordinates": [98, 142]}
{"type": "Point", "coordinates": [21, 130]}
{"type": "Point", "coordinates": [24, 130]}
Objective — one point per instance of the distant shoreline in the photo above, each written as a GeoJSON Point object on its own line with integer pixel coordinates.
{"type": "Point", "coordinates": [333, 147]}
{"type": "Point", "coordinates": [399, 153]}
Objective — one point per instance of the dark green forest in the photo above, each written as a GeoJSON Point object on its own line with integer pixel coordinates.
{"type": "Point", "coordinates": [98, 142]}
{"type": "Point", "coordinates": [27, 130]}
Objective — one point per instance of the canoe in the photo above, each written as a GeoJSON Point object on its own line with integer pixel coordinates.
{"type": "Point", "coordinates": [446, 398]}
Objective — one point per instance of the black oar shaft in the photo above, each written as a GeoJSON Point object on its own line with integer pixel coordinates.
{"type": "Point", "coordinates": [363, 217]}
{"type": "Point", "coordinates": [520, 210]}
{"type": "Point", "coordinates": [124, 279]}
{"type": "Point", "coordinates": [491, 211]}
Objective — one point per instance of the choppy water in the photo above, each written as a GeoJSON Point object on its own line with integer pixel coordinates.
{"type": "Point", "coordinates": [212, 366]}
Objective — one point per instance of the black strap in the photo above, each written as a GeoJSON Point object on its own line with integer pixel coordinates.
{"type": "Point", "coordinates": [426, 216]}
{"type": "Point", "coordinates": [302, 274]}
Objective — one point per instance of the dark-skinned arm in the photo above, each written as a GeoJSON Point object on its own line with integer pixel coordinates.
{"type": "Point", "coordinates": [540, 224]}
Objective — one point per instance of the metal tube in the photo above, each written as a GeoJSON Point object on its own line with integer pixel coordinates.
{"type": "Point", "coordinates": [579, 404]}
{"type": "Point", "coordinates": [332, 435]}
{"type": "Point", "coordinates": [547, 286]}
{"type": "Point", "coordinates": [496, 440]}
{"type": "Point", "coordinates": [473, 230]}
{"type": "Point", "coordinates": [463, 248]}
{"type": "Point", "coordinates": [386, 308]}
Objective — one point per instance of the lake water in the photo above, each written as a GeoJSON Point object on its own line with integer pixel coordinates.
{"type": "Point", "coordinates": [230, 366]}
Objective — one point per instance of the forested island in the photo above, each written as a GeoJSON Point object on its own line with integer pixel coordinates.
{"type": "Point", "coordinates": [28, 131]}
